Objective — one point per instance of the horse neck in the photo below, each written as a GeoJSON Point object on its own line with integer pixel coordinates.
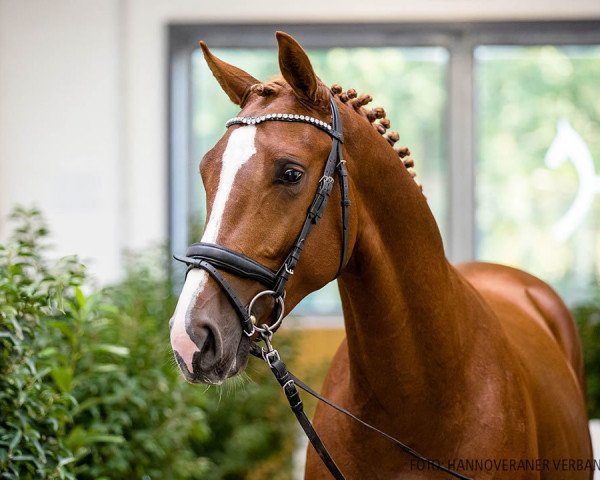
{"type": "Point", "coordinates": [406, 309]}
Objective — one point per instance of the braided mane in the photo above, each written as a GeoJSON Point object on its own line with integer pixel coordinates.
{"type": "Point", "coordinates": [375, 116]}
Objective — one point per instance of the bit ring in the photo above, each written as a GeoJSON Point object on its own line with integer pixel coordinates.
{"type": "Point", "coordinates": [278, 301]}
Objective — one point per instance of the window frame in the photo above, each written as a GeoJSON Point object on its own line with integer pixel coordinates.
{"type": "Point", "coordinates": [460, 40]}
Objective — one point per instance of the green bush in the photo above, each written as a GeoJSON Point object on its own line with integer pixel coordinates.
{"type": "Point", "coordinates": [587, 316]}
{"type": "Point", "coordinates": [89, 389]}
{"type": "Point", "coordinates": [35, 413]}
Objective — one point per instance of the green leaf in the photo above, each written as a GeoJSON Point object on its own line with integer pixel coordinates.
{"type": "Point", "coordinates": [15, 440]}
{"type": "Point", "coordinates": [18, 329]}
{"type": "Point", "coordinates": [53, 422]}
{"type": "Point", "coordinates": [88, 403]}
{"type": "Point", "coordinates": [63, 327]}
{"type": "Point", "coordinates": [47, 352]}
{"type": "Point", "coordinates": [113, 309]}
{"type": "Point", "coordinates": [106, 439]}
{"type": "Point", "coordinates": [80, 297]}
{"type": "Point", "coordinates": [113, 349]}
{"type": "Point", "coordinates": [9, 310]}
{"type": "Point", "coordinates": [40, 450]}
{"type": "Point", "coordinates": [9, 336]}
{"type": "Point", "coordinates": [77, 438]}
{"type": "Point", "coordinates": [107, 368]}
{"type": "Point", "coordinates": [64, 461]}
{"type": "Point", "coordinates": [63, 378]}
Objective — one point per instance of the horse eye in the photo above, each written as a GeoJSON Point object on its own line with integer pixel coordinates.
{"type": "Point", "coordinates": [291, 175]}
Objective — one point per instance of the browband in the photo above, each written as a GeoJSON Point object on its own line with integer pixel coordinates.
{"type": "Point", "coordinates": [287, 117]}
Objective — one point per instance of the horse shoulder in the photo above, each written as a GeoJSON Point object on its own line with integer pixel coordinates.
{"type": "Point", "coordinates": [513, 292]}
{"type": "Point", "coordinates": [541, 333]}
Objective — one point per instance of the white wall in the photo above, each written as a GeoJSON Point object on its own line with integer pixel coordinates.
{"type": "Point", "coordinates": [59, 121]}
{"type": "Point", "coordinates": [83, 102]}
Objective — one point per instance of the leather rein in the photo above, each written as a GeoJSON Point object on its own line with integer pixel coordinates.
{"type": "Point", "coordinates": [212, 258]}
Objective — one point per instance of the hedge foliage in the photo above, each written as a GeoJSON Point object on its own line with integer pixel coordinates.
{"type": "Point", "coordinates": [88, 387]}
{"type": "Point", "coordinates": [587, 316]}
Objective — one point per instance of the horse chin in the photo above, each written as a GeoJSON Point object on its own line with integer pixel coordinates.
{"type": "Point", "coordinates": [228, 368]}
{"type": "Point", "coordinates": [203, 379]}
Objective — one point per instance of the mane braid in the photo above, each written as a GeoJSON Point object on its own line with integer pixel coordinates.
{"type": "Point", "coordinates": [262, 89]}
{"type": "Point", "coordinates": [382, 126]}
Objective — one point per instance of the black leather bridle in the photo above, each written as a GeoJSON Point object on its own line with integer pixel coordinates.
{"type": "Point", "coordinates": [212, 258]}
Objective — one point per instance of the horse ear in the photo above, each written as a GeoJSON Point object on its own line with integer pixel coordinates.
{"type": "Point", "coordinates": [233, 80]}
{"type": "Point", "coordinates": [297, 70]}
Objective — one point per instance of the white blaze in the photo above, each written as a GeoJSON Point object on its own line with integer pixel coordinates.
{"type": "Point", "coordinates": [240, 147]}
{"type": "Point", "coordinates": [180, 340]}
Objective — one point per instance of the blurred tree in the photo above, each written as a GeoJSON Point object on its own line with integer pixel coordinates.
{"type": "Point", "coordinates": [523, 93]}
{"type": "Point", "coordinates": [89, 386]}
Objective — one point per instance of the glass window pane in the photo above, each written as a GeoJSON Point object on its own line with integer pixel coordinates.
{"type": "Point", "coordinates": [410, 83]}
{"type": "Point", "coordinates": [537, 175]}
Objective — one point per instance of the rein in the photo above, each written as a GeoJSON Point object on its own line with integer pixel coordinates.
{"type": "Point", "coordinates": [212, 258]}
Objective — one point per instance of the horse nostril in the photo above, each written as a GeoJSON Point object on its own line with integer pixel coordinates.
{"type": "Point", "coordinates": [210, 345]}
{"type": "Point", "coordinates": [210, 348]}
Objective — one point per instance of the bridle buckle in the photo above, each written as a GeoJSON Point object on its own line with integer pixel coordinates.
{"type": "Point", "coordinates": [270, 357]}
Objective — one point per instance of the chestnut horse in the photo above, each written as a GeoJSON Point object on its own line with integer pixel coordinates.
{"type": "Point", "coordinates": [477, 366]}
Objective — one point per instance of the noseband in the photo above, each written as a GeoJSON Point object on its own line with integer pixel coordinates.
{"type": "Point", "coordinates": [212, 257]}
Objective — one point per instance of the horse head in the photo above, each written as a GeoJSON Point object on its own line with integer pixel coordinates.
{"type": "Point", "coordinates": [260, 180]}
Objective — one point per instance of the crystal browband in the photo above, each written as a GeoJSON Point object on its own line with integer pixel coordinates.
{"type": "Point", "coordinates": [281, 117]}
